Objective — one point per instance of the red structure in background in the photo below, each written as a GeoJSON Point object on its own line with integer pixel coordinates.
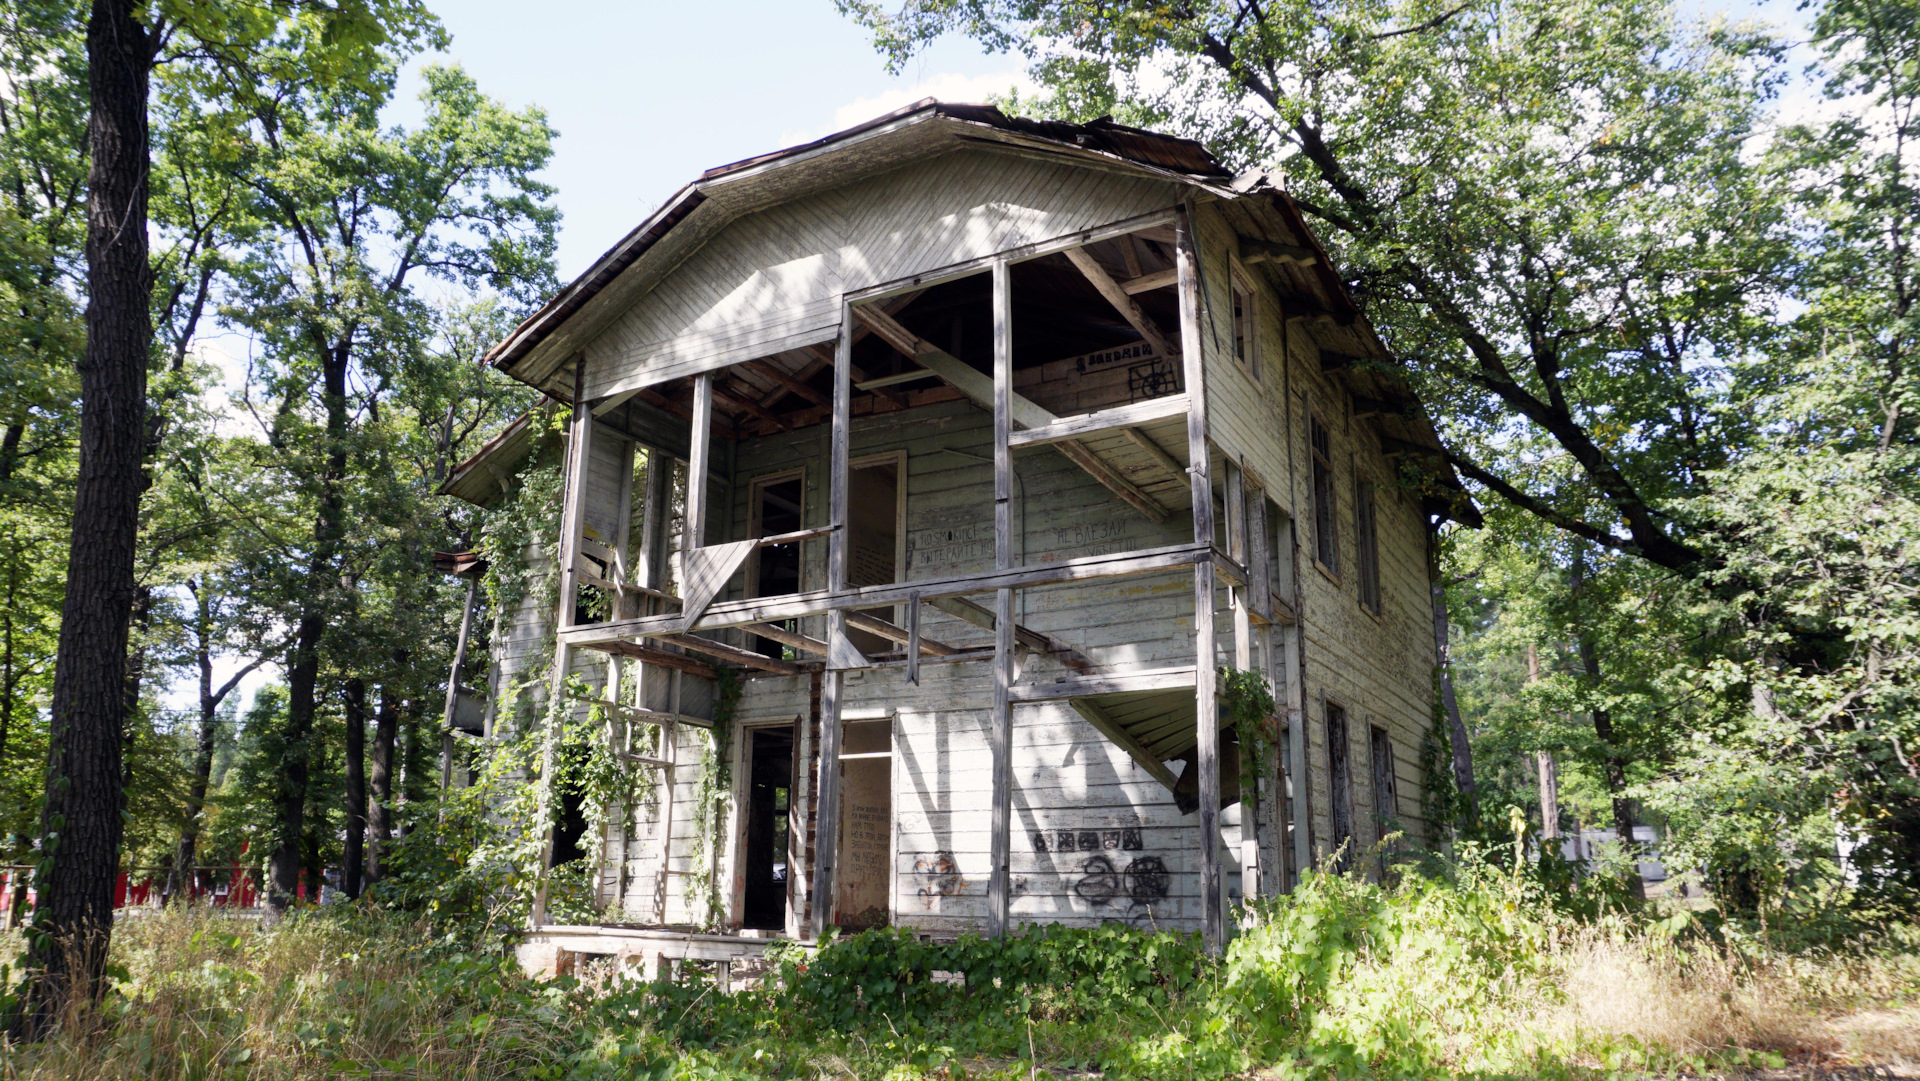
{"type": "Point", "coordinates": [222, 887]}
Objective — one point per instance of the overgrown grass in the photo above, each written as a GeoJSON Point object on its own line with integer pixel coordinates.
{"type": "Point", "coordinates": [1343, 978]}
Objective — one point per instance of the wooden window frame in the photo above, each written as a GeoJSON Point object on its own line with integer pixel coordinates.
{"type": "Point", "coordinates": [755, 530]}
{"type": "Point", "coordinates": [1326, 520]}
{"type": "Point", "coordinates": [1279, 527]}
{"type": "Point", "coordinates": [1339, 791]}
{"type": "Point", "coordinates": [1243, 308]}
{"type": "Point", "coordinates": [1377, 738]}
{"type": "Point", "coordinates": [899, 459]}
{"type": "Point", "coordinates": [1366, 542]}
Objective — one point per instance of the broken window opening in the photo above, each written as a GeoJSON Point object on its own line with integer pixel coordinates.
{"type": "Point", "coordinates": [1367, 546]}
{"type": "Point", "coordinates": [1339, 785]}
{"type": "Point", "coordinates": [876, 535]}
{"type": "Point", "coordinates": [1245, 349]}
{"type": "Point", "coordinates": [1325, 551]}
{"type": "Point", "coordinates": [776, 506]}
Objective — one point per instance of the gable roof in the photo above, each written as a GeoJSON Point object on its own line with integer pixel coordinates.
{"type": "Point", "coordinates": [538, 352]}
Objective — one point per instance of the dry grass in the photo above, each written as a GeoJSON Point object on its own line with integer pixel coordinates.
{"type": "Point", "coordinates": [1854, 1008]}
{"type": "Point", "coordinates": [203, 996]}
{"type": "Point", "coordinates": [208, 996]}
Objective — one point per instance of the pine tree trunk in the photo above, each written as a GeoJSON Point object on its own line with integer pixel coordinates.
{"type": "Point", "coordinates": [81, 821]}
{"type": "Point", "coordinates": [380, 817]}
{"type": "Point", "coordinates": [356, 767]}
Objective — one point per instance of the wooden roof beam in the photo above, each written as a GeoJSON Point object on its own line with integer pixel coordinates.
{"type": "Point", "coordinates": [1148, 282]}
{"type": "Point", "coordinates": [1118, 735]}
{"type": "Point", "coordinates": [1266, 251]}
{"type": "Point", "coordinates": [677, 661]}
{"type": "Point", "coordinates": [1364, 407]}
{"type": "Point", "coordinates": [725, 652]}
{"type": "Point", "coordinates": [786, 384]}
{"type": "Point", "coordinates": [684, 412]}
{"type": "Point", "coordinates": [875, 625]}
{"type": "Point", "coordinates": [787, 638]}
{"type": "Point", "coordinates": [1123, 302]}
{"type": "Point", "coordinates": [750, 406]}
{"type": "Point", "coordinates": [979, 387]}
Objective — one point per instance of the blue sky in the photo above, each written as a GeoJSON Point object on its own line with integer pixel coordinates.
{"type": "Point", "coordinates": [646, 95]}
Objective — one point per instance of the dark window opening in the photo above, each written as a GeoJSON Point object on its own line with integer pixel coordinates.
{"type": "Point", "coordinates": [1386, 801]}
{"type": "Point", "coordinates": [1367, 544]}
{"type": "Point", "coordinates": [768, 848]}
{"type": "Point", "coordinates": [1324, 549]}
{"type": "Point", "coordinates": [777, 566]}
{"type": "Point", "coordinates": [570, 828]}
{"type": "Point", "coordinates": [1339, 784]}
{"type": "Point", "coordinates": [1243, 344]}
{"type": "Point", "coordinates": [1279, 551]}
{"type": "Point", "coordinates": [873, 538]}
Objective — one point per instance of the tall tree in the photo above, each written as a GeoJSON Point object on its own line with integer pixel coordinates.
{"type": "Point", "coordinates": [80, 823]}
{"type": "Point", "coordinates": [81, 814]}
{"type": "Point", "coordinates": [358, 216]}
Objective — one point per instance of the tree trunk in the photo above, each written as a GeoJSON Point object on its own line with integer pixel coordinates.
{"type": "Point", "coordinates": [137, 624]}
{"type": "Point", "coordinates": [416, 785]}
{"type": "Point", "coordinates": [356, 769]}
{"type": "Point", "coordinates": [187, 851]}
{"type": "Point", "coordinates": [1458, 739]}
{"type": "Point", "coordinates": [1547, 772]}
{"type": "Point", "coordinates": [1614, 761]}
{"type": "Point", "coordinates": [81, 821]}
{"type": "Point", "coordinates": [380, 819]}
{"type": "Point", "coordinates": [304, 671]}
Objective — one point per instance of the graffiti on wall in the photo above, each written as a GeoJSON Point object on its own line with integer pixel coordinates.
{"type": "Point", "coordinates": [1125, 887]}
{"type": "Point", "coordinates": [1125, 840]}
{"type": "Point", "coordinates": [939, 875]}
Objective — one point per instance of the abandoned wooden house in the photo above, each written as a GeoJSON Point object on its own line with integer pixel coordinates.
{"type": "Point", "coordinates": [974, 447]}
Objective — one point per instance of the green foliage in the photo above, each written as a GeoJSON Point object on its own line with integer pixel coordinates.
{"type": "Point", "coordinates": [1248, 703]}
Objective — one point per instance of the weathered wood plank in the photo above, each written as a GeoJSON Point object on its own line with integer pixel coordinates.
{"type": "Point", "coordinates": [1154, 679]}
{"type": "Point", "coordinates": [771, 609]}
{"type": "Point", "coordinates": [1120, 416]}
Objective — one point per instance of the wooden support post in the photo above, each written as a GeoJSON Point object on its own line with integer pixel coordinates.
{"type": "Point", "coordinates": [1000, 737]}
{"type": "Point", "coordinates": [572, 517]}
{"type": "Point", "coordinates": [1239, 547]}
{"type": "Point", "coordinates": [669, 750]}
{"type": "Point", "coordinates": [453, 687]}
{"type": "Point", "coordinates": [699, 456]}
{"type": "Point", "coordinates": [826, 818]}
{"type": "Point", "coordinates": [1205, 679]}
{"type": "Point", "coordinates": [913, 640]}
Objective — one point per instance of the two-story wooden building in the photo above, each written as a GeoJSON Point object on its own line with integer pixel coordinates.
{"type": "Point", "coordinates": [1005, 437]}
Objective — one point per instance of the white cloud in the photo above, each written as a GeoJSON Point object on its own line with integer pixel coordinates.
{"type": "Point", "coordinates": [946, 86]}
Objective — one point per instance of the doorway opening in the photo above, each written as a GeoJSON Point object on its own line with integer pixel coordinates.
{"type": "Point", "coordinates": [769, 832]}
{"type": "Point", "coordinates": [862, 879]}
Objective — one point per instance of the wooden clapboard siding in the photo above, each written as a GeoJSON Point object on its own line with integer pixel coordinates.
{"type": "Point", "coordinates": [773, 279]}
{"type": "Point", "coordinates": [1378, 667]}
{"type": "Point", "coordinates": [780, 270]}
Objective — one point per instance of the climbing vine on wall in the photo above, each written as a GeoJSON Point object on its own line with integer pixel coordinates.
{"type": "Point", "coordinates": [1249, 704]}
{"type": "Point", "coordinates": [711, 796]}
